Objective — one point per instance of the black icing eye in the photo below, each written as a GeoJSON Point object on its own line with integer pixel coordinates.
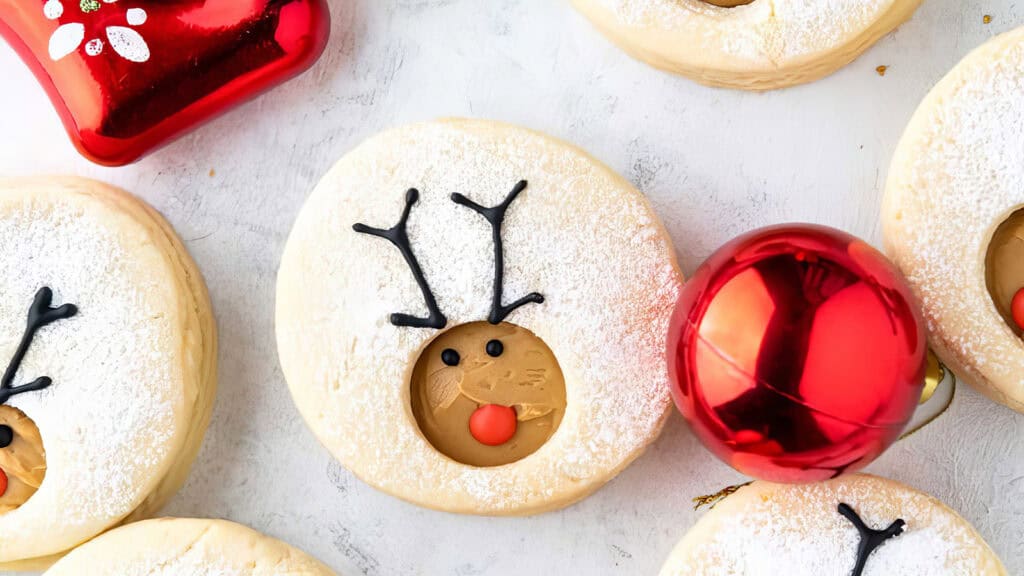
{"type": "Point", "coordinates": [495, 348]}
{"type": "Point", "coordinates": [6, 436]}
{"type": "Point", "coordinates": [450, 357]}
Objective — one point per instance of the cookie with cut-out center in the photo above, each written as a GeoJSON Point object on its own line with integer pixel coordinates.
{"type": "Point", "coordinates": [953, 216]}
{"type": "Point", "coordinates": [187, 547]}
{"type": "Point", "coordinates": [747, 44]}
{"type": "Point", "coordinates": [857, 525]}
{"type": "Point", "coordinates": [107, 343]}
{"type": "Point", "coordinates": [473, 317]}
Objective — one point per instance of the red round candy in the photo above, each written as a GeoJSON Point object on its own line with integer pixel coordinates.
{"type": "Point", "coordinates": [1017, 308]}
{"type": "Point", "coordinates": [797, 353]}
{"type": "Point", "coordinates": [3, 483]}
{"type": "Point", "coordinates": [492, 424]}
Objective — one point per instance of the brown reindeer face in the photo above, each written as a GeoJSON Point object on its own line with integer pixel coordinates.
{"type": "Point", "coordinates": [483, 393]}
{"type": "Point", "coordinates": [22, 458]}
{"type": "Point", "coordinates": [478, 369]}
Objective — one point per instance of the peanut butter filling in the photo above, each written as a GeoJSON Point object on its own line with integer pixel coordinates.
{"type": "Point", "coordinates": [479, 364]}
{"type": "Point", "coordinates": [23, 461]}
{"type": "Point", "coordinates": [1004, 265]}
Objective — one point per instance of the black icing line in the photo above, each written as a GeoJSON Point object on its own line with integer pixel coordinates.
{"type": "Point", "coordinates": [40, 314]}
{"type": "Point", "coordinates": [870, 539]}
{"type": "Point", "coordinates": [398, 236]}
{"type": "Point", "coordinates": [495, 215]}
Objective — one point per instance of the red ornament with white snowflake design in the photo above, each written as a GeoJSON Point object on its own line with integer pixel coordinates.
{"type": "Point", "coordinates": [127, 76]}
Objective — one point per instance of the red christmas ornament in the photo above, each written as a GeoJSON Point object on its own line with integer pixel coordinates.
{"type": "Point", "coordinates": [493, 425]}
{"type": "Point", "coordinates": [127, 76]}
{"type": "Point", "coordinates": [797, 353]}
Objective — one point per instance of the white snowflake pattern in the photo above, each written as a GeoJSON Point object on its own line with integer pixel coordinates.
{"type": "Point", "coordinates": [124, 40]}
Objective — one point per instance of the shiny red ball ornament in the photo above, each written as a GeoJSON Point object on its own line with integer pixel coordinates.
{"type": "Point", "coordinates": [797, 353]}
{"type": "Point", "coordinates": [493, 425]}
{"type": "Point", "coordinates": [127, 76]}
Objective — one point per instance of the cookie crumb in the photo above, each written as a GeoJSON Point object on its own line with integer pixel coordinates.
{"type": "Point", "coordinates": [212, 172]}
{"type": "Point", "coordinates": [882, 70]}
{"type": "Point", "coordinates": [987, 19]}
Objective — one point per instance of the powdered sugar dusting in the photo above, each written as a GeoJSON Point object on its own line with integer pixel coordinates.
{"type": "Point", "coordinates": [959, 173]}
{"type": "Point", "coordinates": [187, 547]}
{"type": "Point", "coordinates": [578, 235]}
{"type": "Point", "coordinates": [797, 530]}
{"type": "Point", "coordinates": [765, 29]}
{"type": "Point", "coordinates": [108, 422]}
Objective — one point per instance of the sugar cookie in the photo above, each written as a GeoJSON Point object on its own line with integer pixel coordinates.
{"type": "Point", "coordinates": [752, 45]}
{"type": "Point", "coordinates": [110, 354]}
{"type": "Point", "coordinates": [952, 215]}
{"type": "Point", "coordinates": [186, 547]}
{"type": "Point", "coordinates": [472, 317]}
{"type": "Point", "coordinates": [854, 525]}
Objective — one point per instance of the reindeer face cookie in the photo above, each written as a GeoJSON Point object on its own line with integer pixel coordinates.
{"type": "Point", "coordinates": [108, 347]}
{"type": "Point", "coordinates": [186, 547]}
{"type": "Point", "coordinates": [857, 525]}
{"type": "Point", "coordinates": [491, 309]}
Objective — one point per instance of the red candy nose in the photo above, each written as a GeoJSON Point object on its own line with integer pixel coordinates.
{"type": "Point", "coordinates": [493, 425]}
{"type": "Point", "coordinates": [3, 483]}
{"type": "Point", "coordinates": [1017, 308]}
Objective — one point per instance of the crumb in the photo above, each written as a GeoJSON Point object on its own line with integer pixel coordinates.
{"type": "Point", "coordinates": [882, 70]}
{"type": "Point", "coordinates": [987, 19]}
{"type": "Point", "coordinates": [212, 172]}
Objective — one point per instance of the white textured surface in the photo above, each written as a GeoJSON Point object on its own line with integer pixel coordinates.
{"type": "Point", "coordinates": [715, 163]}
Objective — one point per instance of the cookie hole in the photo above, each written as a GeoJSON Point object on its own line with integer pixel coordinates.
{"type": "Point", "coordinates": [1004, 265]}
{"type": "Point", "coordinates": [22, 462]}
{"type": "Point", "coordinates": [728, 3]}
{"type": "Point", "coordinates": [525, 377]}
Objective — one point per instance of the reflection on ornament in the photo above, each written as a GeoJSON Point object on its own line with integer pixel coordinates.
{"type": "Point", "coordinates": [797, 353]}
{"type": "Point", "coordinates": [126, 42]}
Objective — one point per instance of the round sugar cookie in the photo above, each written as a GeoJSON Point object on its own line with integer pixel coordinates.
{"type": "Point", "coordinates": [186, 547]}
{"type": "Point", "coordinates": [817, 529]}
{"type": "Point", "coordinates": [109, 351]}
{"type": "Point", "coordinates": [952, 215]}
{"type": "Point", "coordinates": [473, 317]}
{"type": "Point", "coordinates": [755, 45]}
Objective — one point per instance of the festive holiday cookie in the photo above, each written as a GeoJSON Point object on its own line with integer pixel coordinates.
{"type": "Point", "coordinates": [748, 44]}
{"type": "Point", "coordinates": [954, 216]}
{"type": "Point", "coordinates": [856, 525]}
{"type": "Point", "coordinates": [109, 347]}
{"type": "Point", "coordinates": [186, 547]}
{"type": "Point", "coordinates": [473, 316]}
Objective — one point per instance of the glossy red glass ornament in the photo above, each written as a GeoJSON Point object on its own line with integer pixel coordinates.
{"type": "Point", "coordinates": [797, 353]}
{"type": "Point", "coordinates": [127, 76]}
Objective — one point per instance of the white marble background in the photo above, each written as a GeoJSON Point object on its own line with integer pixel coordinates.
{"type": "Point", "coordinates": [714, 162]}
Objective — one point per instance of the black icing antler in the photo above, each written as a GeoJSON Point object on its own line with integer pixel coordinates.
{"type": "Point", "coordinates": [870, 539]}
{"type": "Point", "coordinates": [496, 216]}
{"type": "Point", "coordinates": [39, 314]}
{"type": "Point", "coordinates": [398, 236]}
